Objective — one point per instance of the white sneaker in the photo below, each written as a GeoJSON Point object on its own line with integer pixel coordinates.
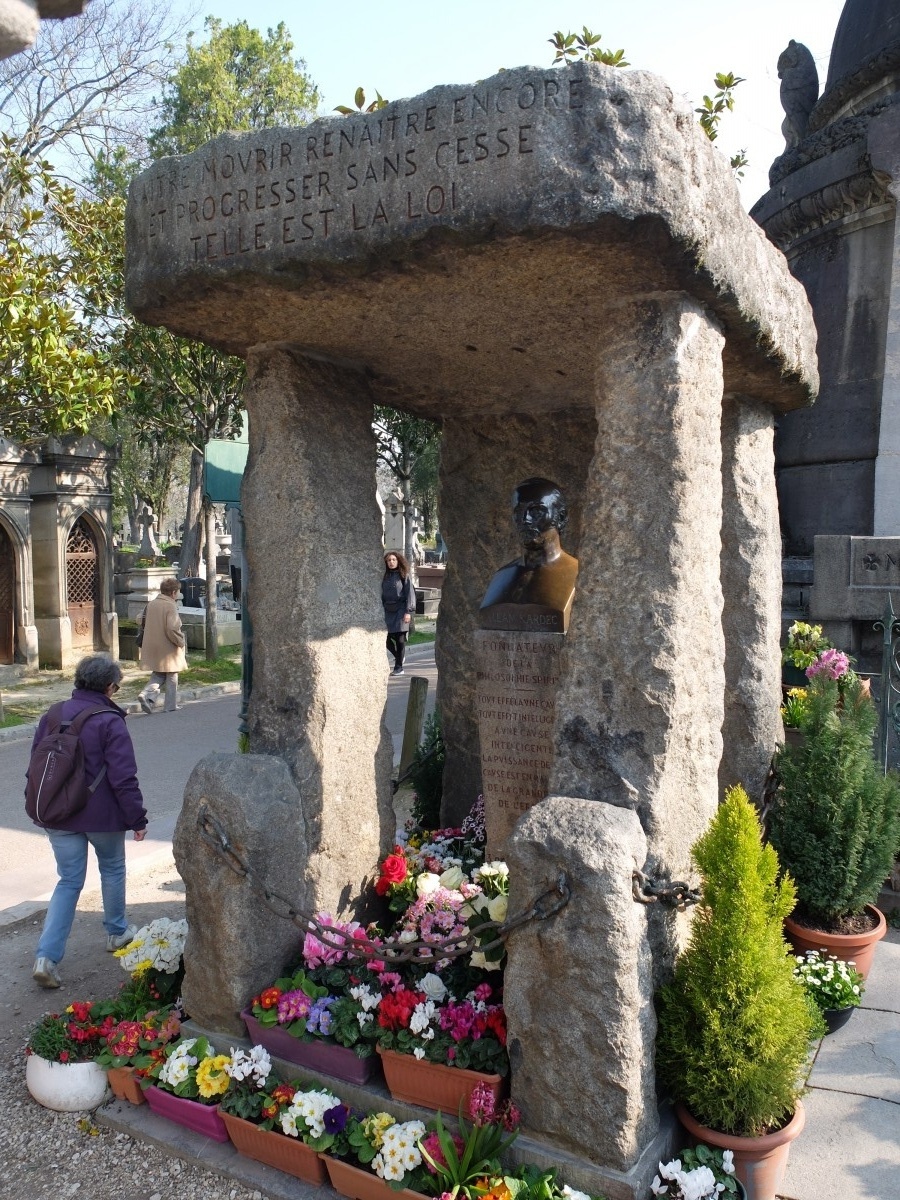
{"type": "Point", "coordinates": [146, 705]}
{"type": "Point", "coordinates": [46, 973]}
{"type": "Point", "coordinates": [115, 941]}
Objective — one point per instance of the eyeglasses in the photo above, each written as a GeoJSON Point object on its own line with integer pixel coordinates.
{"type": "Point", "coordinates": [115, 687]}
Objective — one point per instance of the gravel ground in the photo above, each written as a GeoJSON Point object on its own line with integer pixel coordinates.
{"type": "Point", "coordinates": [46, 1154]}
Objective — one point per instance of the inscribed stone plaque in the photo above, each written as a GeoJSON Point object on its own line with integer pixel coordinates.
{"type": "Point", "coordinates": [517, 678]}
{"type": "Point", "coordinates": [875, 562]}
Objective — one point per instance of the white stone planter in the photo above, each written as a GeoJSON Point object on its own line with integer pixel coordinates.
{"type": "Point", "coordinates": [65, 1087]}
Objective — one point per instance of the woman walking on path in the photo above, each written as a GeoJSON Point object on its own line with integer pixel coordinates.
{"type": "Point", "coordinates": [114, 806]}
{"type": "Point", "coordinates": [162, 647]}
{"type": "Point", "coordinates": [398, 598]}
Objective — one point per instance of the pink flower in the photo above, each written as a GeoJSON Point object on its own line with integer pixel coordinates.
{"type": "Point", "coordinates": [432, 1145]}
{"type": "Point", "coordinates": [482, 1105]}
{"type": "Point", "coordinates": [326, 951]}
{"type": "Point", "coordinates": [832, 663]}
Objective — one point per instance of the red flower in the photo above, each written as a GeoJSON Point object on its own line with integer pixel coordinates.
{"type": "Point", "coordinates": [63, 1056]}
{"type": "Point", "coordinates": [393, 870]}
{"type": "Point", "coordinates": [396, 1008]}
{"type": "Point", "coordinates": [269, 998]}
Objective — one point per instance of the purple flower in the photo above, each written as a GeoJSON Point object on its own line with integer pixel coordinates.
{"type": "Point", "coordinates": [319, 1019]}
{"type": "Point", "coordinates": [335, 1119]}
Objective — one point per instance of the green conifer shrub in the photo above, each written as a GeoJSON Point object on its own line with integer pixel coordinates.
{"type": "Point", "coordinates": [835, 822]}
{"type": "Point", "coordinates": [734, 1024]}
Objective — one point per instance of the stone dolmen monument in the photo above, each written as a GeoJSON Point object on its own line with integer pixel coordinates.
{"type": "Point", "coordinates": [555, 265]}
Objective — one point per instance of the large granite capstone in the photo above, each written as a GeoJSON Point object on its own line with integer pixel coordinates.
{"type": "Point", "coordinates": [464, 246]}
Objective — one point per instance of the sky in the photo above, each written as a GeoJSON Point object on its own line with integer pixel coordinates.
{"type": "Point", "coordinates": [402, 48]}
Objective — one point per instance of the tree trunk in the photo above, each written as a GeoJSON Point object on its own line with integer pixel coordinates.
{"type": "Point", "coordinates": [189, 562]}
{"type": "Point", "coordinates": [133, 505]}
{"type": "Point", "coordinates": [408, 547]}
{"type": "Point", "coordinates": [209, 524]}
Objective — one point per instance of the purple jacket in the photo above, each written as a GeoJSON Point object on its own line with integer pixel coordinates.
{"type": "Point", "coordinates": [117, 802]}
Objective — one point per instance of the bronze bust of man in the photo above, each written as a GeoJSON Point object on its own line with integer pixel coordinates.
{"type": "Point", "coordinates": [534, 592]}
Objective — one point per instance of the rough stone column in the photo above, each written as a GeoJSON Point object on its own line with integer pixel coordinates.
{"type": "Point", "coordinates": [751, 583]}
{"type": "Point", "coordinates": [639, 712]}
{"type": "Point", "coordinates": [482, 460]}
{"type": "Point", "coordinates": [314, 553]}
{"type": "Point", "coordinates": [579, 990]}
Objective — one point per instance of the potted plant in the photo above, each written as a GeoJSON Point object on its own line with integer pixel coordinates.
{"type": "Point", "coordinates": [461, 1162]}
{"type": "Point", "coordinates": [154, 960]}
{"type": "Point", "coordinates": [804, 644]}
{"type": "Point", "coordinates": [734, 1024]}
{"type": "Point", "coordinates": [188, 1079]}
{"type": "Point", "coordinates": [278, 1123]}
{"type": "Point", "coordinates": [834, 986]}
{"type": "Point", "coordinates": [698, 1173]}
{"type": "Point", "coordinates": [835, 819]}
{"type": "Point", "coordinates": [61, 1071]}
{"type": "Point", "coordinates": [378, 1157]}
{"type": "Point", "coordinates": [131, 1048]}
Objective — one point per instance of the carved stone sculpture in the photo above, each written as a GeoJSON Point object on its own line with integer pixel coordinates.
{"type": "Point", "coordinates": [799, 91]}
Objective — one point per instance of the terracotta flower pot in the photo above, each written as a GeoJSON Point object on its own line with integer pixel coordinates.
{"type": "Point", "coordinates": [433, 1085]}
{"type": "Point", "coordinates": [201, 1118]}
{"type": "Point", "coordinates": [320, 1055]}
{"type": "Point", "coordinates": [65, 1087]}
{"type": "Point", "coordinates": [858, 948]}
{"type": "Point", "coordinates": [124, 1084]}
{"type": "Point", "coordinates": [759, 1162]}
{"type": "Point", "coordinates": [362, 1185]}
{"type": "Point", "coordinates": [286, 1154]}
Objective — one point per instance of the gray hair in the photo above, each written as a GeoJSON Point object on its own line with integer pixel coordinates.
{"type": "Point", "coordinates": [96, 673]}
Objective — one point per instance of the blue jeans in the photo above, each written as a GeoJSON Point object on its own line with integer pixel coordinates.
{"type": "Point", "coordinates": [71, 852]}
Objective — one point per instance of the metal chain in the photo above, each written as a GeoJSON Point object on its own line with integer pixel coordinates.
{"type": "Point", "coordinates": [678, 894]}
{"type": "Point", "coordinates": [362, 949]}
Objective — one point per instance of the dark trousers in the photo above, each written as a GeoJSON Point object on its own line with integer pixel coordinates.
{"type": "Point", "coordinates": [396, 644]}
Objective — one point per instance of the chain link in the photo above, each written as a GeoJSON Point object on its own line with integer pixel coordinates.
{"type": "Point", "coordinates": [362, 949]}
{"type": "Point", "coordinates": [678, 894]}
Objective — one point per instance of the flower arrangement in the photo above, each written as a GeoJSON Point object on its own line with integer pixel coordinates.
{"type": "Point", "coordinates": [341, 1009]}
{"type": "Point", "coordinates": [76, 1035]}
{"type": "Point", "coordinates": [190, 1068]}
{"type": "Point", "coordinates": [831, 983]}
{"type": "Point", "coordinates": [154, 960]}
{"type": "Point", "coordinates": [462, 1162]}
{"type": "Point", "coordinates": [140, 1043]}
{"type": "Point", "coordinates": [388, 1147]}
{"type": "Point", "coordinates": [701, 1173]}
{"type": "Point", "coordinates": [468, 1033]}
{"type": "Point", "coordinates": [804, 644]}
{"type": "Point", "coordinates": [795, 708]}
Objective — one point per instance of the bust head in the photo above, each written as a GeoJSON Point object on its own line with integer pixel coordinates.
{"type": "Point", "coordinates": [540, 514]}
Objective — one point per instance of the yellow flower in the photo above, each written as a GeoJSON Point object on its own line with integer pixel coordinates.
{"type": "Point", "coordinates": [144, 965]}
{"type": "Point", "coordinates": [211, 1077]}
{"type": "Point", "coordinates": [129, 949]}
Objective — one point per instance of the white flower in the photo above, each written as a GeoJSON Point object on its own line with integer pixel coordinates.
{"type": "Point", "coordinates": [418, 1052]}
{"type": "Point", "coordinates": [434, 987]}
{"type": "Point", "coordinates": [452, 878]}
{"type": "Point", "coordinates": [364, 996]}
{"type": "Point", "coordinates": [255, 1062]}
{"type": "Point", "coordinates": [670, 1170]}
{"type": "Point", "coordinates": [658, 1188]}
{"type": "Point", "coordinates": [573, 1195]}
{"type": "Point", "coordinates": [422, 1016]}
{"type": "Point", "coordinates": [426, 884]}
{"type": "Point", "coordinates": [698, 1184]}
{"type": "Point", "coordinates": [497, 907]}
{"type": "Point", "coordinates": [728, 1162]}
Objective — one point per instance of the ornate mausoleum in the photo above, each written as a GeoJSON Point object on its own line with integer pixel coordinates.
{"type": "Point", "coordinates": [56, 568]}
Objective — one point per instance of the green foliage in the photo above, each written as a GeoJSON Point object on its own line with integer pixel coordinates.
{"type": "Point", "coordinates": [584, 47]}
{"type": "Point", "coordinates": [829, 982]}
{"type": "Point", "coordinates": [711, 110]}
{"type": "Point", "coordinates": [426, 775]}
{"type": "Point", "coordinates": [804, 644]}
{"type": "Point", "coordinates": [55, 375]}
{"type": "Point", "coordinates": [733, 1024]}
{"type": "Point", "coordinates": [836, 819]}
{"type": "Point", "coordinates": [236, 80]}
{"type": "Point", "coordinates": [359, 101]}
{"type": "Point", "coordinates": [464, 1168]}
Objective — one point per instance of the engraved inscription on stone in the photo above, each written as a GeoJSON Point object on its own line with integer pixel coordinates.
{"type": "Point", "coordinates": [517, 678]}
{"type": "Point", "coordinates": [874, 562]}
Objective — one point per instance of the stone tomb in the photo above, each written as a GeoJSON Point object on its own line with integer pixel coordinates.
{"type": "Point", "coordinates": [556, 265]}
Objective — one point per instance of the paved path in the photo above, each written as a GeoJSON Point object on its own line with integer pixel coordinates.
{"type": "Point", "coordinates": [167, 747]}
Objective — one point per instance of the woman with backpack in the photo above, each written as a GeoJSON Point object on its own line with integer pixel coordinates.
{"type": "Point", "coordinates": [111, 803]}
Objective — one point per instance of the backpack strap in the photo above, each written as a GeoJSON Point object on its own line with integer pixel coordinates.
{"type": "Point", "coordinates": [75, 726]}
